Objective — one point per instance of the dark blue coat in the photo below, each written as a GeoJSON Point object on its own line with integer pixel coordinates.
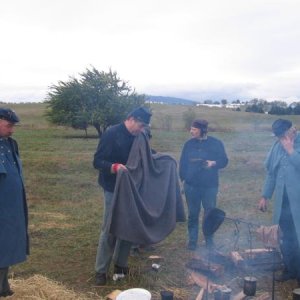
{"type": "Point", "coordinates": [13, 207]}
{"type": "Point", "coordinates": [195, 152]}
{"type": "Point", "coordinates": [283, 172]}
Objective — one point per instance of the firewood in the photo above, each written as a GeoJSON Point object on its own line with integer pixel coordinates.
{"type": "Point", "coordinates": [113, 295]}
{"type": "Point", "coordinates": [155, 257]}
{"type": "Point", "coordinates": [202, 281]}
{"type": "Point", "coordinates": [201, 265]}
{"type": "Point", "coordinates": [257, 251]}
{"type": "Point", "coordinates": [264, 296]}
{"type": "Point", "coordinates": [269, 235]}
{"type": "Point", "coordinates": [200, 294]}
{"type": "Point", "coordinates": [236, 258]}
{"type": "Point", "coordinates": [240, 296]}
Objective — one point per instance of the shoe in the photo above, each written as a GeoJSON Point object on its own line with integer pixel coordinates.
{"type": "Point", "coordinates": [7, 293]}
{"type": "Point", "coordinates": [100, 279]}
{"type": "Point", "coordinates": [284, 276]}
{"type": "Point", "coordinates": [192, 246]}
{"type": "Point", "coordinates": [209, 242]}
{"type": "Point", "coordinates": [121, 270]}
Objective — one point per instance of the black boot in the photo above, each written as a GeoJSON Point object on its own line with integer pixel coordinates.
{"type": "Point", "coordinates": [4, 285]}
{"type": "Point", "coordinates": [100, 279]}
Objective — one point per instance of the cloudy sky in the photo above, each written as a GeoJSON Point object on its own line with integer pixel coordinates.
{"type": "Point", "coordinates": [193, 49]}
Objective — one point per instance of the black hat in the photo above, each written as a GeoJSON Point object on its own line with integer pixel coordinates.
{"type": "Point", "coordinates": [200, 123]}
{"type": "Point", "coordinates": [8, 115]}
{"type": "Point", "coordinates": [280, 126]}
{"type": "Point", "coordinates": [141, 114]}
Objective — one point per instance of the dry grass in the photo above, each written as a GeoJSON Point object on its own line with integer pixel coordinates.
{"type": "Point", "coordinates": [39, 287]}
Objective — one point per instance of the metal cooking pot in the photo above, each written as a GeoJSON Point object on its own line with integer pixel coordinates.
{"type": "Point", "coordinates": [212, 221]}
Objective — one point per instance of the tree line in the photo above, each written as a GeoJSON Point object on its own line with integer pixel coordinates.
{"type": "Point", "coordinates": [101, 99]}
{"type": "Point", "coordinates": [273, 108]}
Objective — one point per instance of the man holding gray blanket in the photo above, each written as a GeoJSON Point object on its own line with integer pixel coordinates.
{"type": "Point", "coordinates": [141, 193]}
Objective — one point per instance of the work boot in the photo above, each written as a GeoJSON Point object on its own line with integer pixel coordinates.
{"type": "Point", "coordinates": [121, 270]}
{"type": "Point", "coordinates": [100, 279]}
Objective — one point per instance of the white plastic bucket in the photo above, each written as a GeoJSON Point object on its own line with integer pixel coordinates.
{"type": "Point", "coordinates": [134, 294]}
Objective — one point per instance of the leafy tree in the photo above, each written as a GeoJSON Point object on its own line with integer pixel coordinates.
{"type": "Point", "coordinates": [280, 110]}
{"type": "Point", "coordinates": [224, 102]}
{"type": "Point", "coordinates": [208, 101]}
{"type": "Point", "coordinates": [296, 109]}
{"type": "Point", "coordinates": [256, 108]}
{"type": "Point", "coordinates": [98, 99]}
{"type": "Point", "coordinates": [188, 117]}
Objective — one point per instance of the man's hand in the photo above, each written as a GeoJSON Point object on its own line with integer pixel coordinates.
{"type": "Point", "coordinates": [116, 167]}
{"type": "Point", "coordinates": [262, 204]}
{"type": "Point", "coordinates": [287, 143]}
{"type": "Point", "coordinates": [210, 163]}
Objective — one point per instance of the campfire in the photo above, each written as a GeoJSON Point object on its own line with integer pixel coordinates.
{"type": "Point", "coordinates": [234, 275]}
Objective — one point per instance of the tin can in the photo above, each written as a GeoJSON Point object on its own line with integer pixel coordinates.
{"type": "Point", "coordinates": [155, 267]}
{"type": "Point", "coordinates": [118, 277]}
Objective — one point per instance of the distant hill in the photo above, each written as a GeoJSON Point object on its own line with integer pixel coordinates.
{"type": "Point", "coordinates": [169, 100]}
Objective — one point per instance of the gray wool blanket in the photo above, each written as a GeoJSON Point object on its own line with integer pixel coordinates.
{"type": "Point", "coordinates": [147, 201]}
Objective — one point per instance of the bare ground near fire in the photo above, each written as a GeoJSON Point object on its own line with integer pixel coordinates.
{"type": "Point", "coordinates": [65, 202]}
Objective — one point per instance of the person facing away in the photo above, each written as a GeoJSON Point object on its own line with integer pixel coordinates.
{"type": "Point", "coordinates": [14, 245]}
{"type": "Point", "coordinates": [283, 177]}
{"type": "Point", "coordinates": [201, 158]}
{"type": "Point", "coordinates": [111, 156]}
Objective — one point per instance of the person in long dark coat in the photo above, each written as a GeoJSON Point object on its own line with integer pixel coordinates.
{"type": "Point", "coordinates": [282, 178]}
{"type": "Point", "coordinates": [14, 245]}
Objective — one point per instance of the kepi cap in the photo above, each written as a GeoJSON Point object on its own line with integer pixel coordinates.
{"type": "Point", "coordinates": [8, 115]}
{"type": "Point", "coordinates": [141, 114]}
{"type": "Point", "coordinates": [280, 126]}
{"type": "Point", "coordinates": [200, 123]}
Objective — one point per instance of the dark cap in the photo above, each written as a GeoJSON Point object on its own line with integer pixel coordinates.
{"type": "Point", "coordinates": [201, 124]}
{"type": "Point", "coordinates": [8, 115]}
{"type": "Point", "coordinates": [280, 126]}
{"type": "Point", "coordinates": [141, 114]}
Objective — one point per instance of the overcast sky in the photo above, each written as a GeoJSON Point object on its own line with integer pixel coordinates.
{"type": "Point", "coordinates": [193, 49]}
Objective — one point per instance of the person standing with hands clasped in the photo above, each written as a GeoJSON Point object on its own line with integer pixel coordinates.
{"type": "Point", "coordinates": [111, 156]}
{"type": "Point", "coordinates": [201, 158]}
{"type": "Point", "coordinates": [283, 178]}
{"type": "Point", "coordinates": [14, 244]}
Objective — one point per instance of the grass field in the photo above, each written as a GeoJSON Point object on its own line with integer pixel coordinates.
{"type": "Point", "coordinates": [65, 201]}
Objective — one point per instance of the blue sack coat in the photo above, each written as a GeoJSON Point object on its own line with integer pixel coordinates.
{"type": "Point", "coordinates": [14, 244]}
{"type": "Point", "coordinates": [283, 171]}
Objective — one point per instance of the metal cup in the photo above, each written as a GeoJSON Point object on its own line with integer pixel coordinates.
{"type": "Point", "coordinates": [250, 285]}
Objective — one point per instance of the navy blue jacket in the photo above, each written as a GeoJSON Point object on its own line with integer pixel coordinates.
{"type": "Point", "coordinates": [114, 147]}
{"type": "Point", "coordinates": [14, 244]}
{"type": "Point", "coordinates": [195, 152]}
